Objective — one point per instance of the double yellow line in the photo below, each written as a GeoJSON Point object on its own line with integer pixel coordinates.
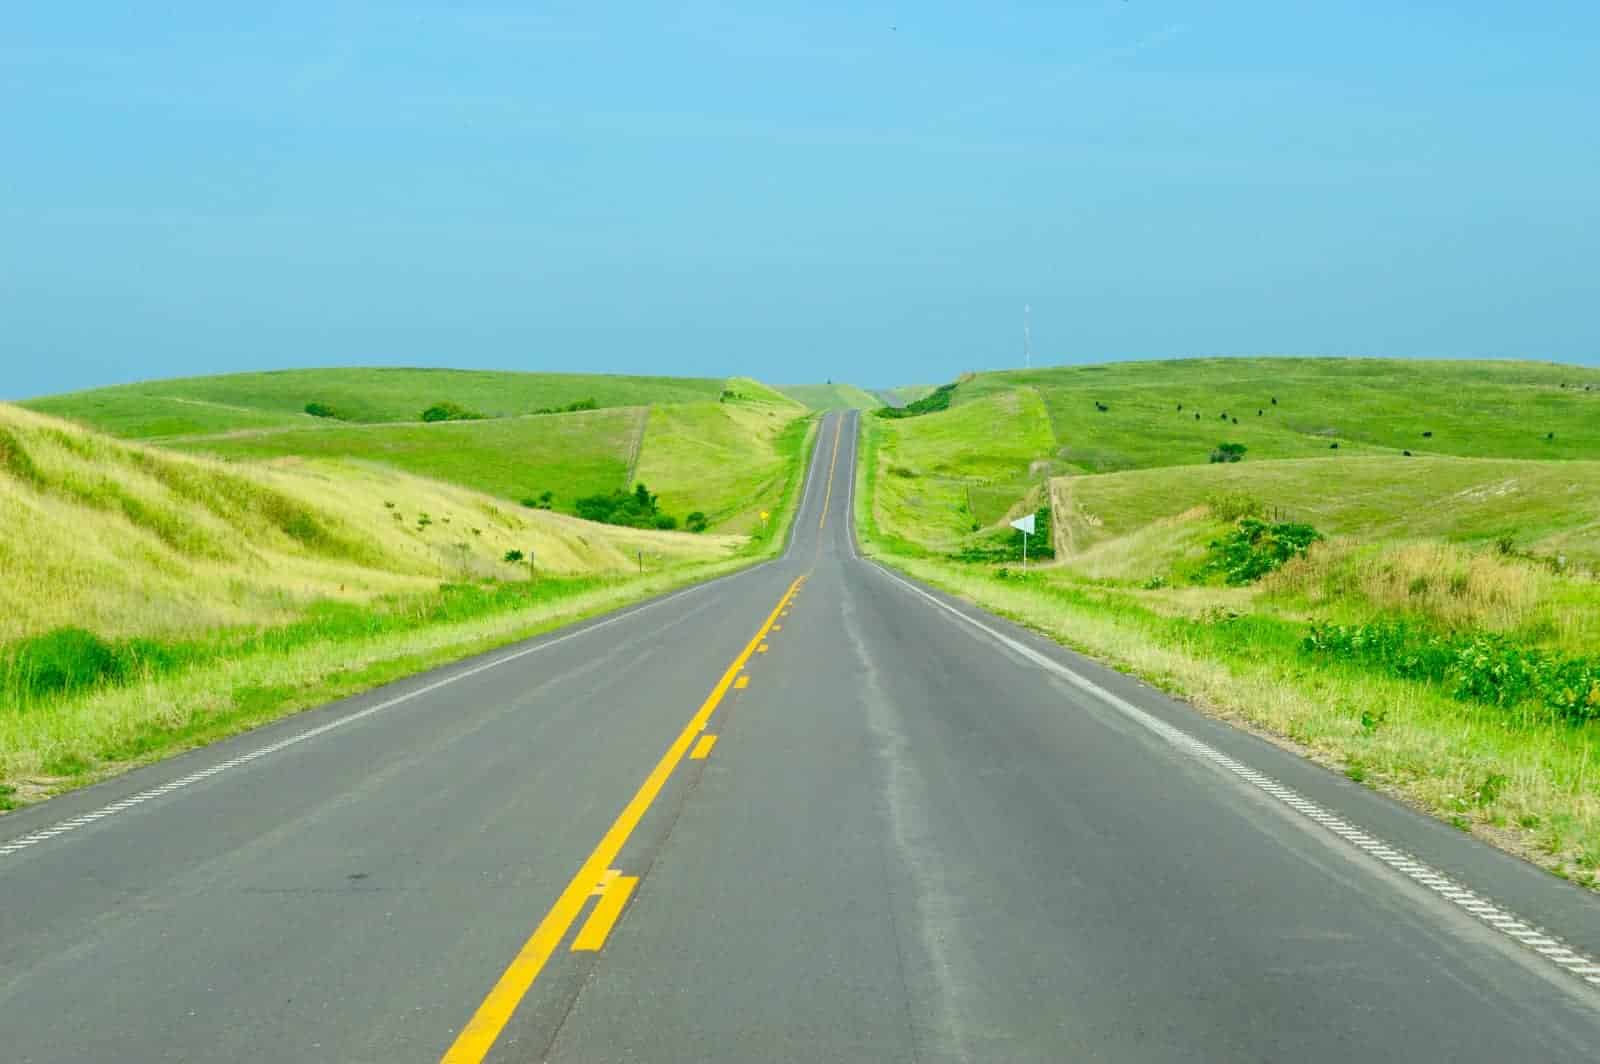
{"type": "Point", "coordinates": [478, 1036]}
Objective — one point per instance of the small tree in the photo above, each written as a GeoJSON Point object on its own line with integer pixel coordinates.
{"type": "Point", "coordinates": [513, 557]}
{"type": "Point", "coordinates": [1228, 452]}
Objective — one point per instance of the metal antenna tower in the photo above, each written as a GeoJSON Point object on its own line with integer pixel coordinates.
{"type": "Point", "coordinates": [1027, 337]}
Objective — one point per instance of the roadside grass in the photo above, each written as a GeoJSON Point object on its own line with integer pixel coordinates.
{"type": "Point", "coordinates": [1130, 587]}
{"type": "Point", "coordinates": [242, 400]}
{"type": "Point", "coordinates": [831, 396]}
{"type": "Point", "coordinates": [184, 691]}
{"type": "Point", "coordinates": [571, 455]}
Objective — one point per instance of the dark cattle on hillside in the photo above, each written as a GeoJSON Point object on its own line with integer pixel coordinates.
{"type": "Point", "coordinates": [1428, 435]}
{"type": "Point", "coordinates": [1333, 446]}
{"type": "Point", "coordinates": [1406, 453]}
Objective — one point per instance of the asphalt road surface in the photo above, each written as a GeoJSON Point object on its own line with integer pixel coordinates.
{"type": "Point", "coordinates": [810, 812]}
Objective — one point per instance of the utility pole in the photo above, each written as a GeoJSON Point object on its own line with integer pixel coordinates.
{"type": "Point", "coordinates": [1027, 338]}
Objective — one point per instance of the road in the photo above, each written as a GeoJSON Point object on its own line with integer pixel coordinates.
{"type": "Point", "coordinates": [810, 812]}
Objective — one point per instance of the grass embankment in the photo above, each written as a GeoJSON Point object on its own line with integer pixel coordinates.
{"type": "Point", "coordinates": [205, 598]}
{"type": "Point", "coordinates": [831, 396]}
{"type": "Point", "coordinates": [1462, 679]}
{"type": "Point", "coordinates": [364, 395]}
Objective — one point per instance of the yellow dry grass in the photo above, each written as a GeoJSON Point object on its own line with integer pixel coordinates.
{"type": "Point", "coordinates": [127, 540]}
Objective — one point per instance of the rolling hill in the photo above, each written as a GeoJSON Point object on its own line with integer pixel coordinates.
{"type": "Point", "coordinates": [194, 405]}
{"type": "Point", "coordinates": [703, 445]}
{"type": "Point", "coordinates": [831, 396]}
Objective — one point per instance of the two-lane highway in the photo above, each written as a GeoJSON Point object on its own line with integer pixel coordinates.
{"type": "Point", "coordinates": [809, 812]}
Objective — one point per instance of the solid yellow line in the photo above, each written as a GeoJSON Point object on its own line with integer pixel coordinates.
{"type": "Point", "coordinates": [703, 747]}
{"type": "Point", "coordinates": [478, 1036]}
{"type": "Point", "coordinates": [605, 914]}
{"type": "Point", "coordinates": [837, 432]}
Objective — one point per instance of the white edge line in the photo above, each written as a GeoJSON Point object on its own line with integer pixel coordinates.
{"type": "Point", "coordinates": [1498, 919]}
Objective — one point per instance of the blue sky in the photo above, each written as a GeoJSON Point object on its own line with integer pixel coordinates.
{"type": "Point", "coordinates": [868, 192]}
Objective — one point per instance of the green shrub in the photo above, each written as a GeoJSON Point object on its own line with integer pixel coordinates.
{"type": "Point", "coordinates": [321, 410]}
{"type": "Point", "coordinates": [1255, 548]}
{"type": "Point", "coordinates": [450, 412]}
{"type": "Point", "coordinates": [936, 400]}
{"type": "Point", "coordinates": [513, 557]}
{"type": "Point", "coordinates": [696, 522]}
{"type": "Point", "coordinates": [635, 509]}
{"type": "Point", "coordinates": [1228, 452]}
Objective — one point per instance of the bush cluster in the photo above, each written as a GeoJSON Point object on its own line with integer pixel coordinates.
{"type": "Point", "coordinates": [635, 509]}
{"type": "Point", "coordinates": [321, 410]}
{"type": "Point", "coordinates": [570, 408]}
{"type": "Point", "coordinates": [1227, 452]}
{"type": "Point", "coordinates": [450, 412]}
{"type": "Point", "coordinates": [938, 399]}
{"type": "Point", "coordinates": [1255, 548]}
{"type": "Point", "coordinates": [1475, 666]}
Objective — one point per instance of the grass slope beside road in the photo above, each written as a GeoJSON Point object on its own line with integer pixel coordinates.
{"type": "Point", "coordinates": [211, 598]}
{"type": "Point", "coordinates": [365, 395]}
{"type": "Point", "coordinates": [1413, 567]}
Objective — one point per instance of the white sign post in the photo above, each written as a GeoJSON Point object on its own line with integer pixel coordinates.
{"type": "Point", "coordinates": [1024, 525]}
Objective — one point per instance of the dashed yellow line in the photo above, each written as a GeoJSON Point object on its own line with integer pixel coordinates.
{"type": "Point", "coordinates": [478, 1036]}
{"type": "Point", "coordinates": [838, 430]}
{"type": "Point", "coordinates": [741, 683]}
{"type": "Point", "coordinates": [702, 749]}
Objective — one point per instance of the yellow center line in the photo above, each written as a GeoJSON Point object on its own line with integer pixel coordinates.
{"type": "Point", "coordinates": [838, 430]}
{"type": "Point", "coordinates": [702, 749]}
{"type": "Point", "coordinates": [478, 1036]}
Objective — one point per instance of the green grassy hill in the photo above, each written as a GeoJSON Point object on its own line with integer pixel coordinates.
{"type": "Point", "coordinates": [1472, 409]}
{"type": "Point", "coordinates": [831, 396]}
{"type": "Point", "coordinates": [700, 444]}
{"type": "Point", "coordinates": [255, 400]}
{"type": "Point", "coordinates": [979, 461]}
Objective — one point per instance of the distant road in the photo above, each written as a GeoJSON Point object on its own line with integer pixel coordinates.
{"type": "Point", "coordinates": [810, 812]}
